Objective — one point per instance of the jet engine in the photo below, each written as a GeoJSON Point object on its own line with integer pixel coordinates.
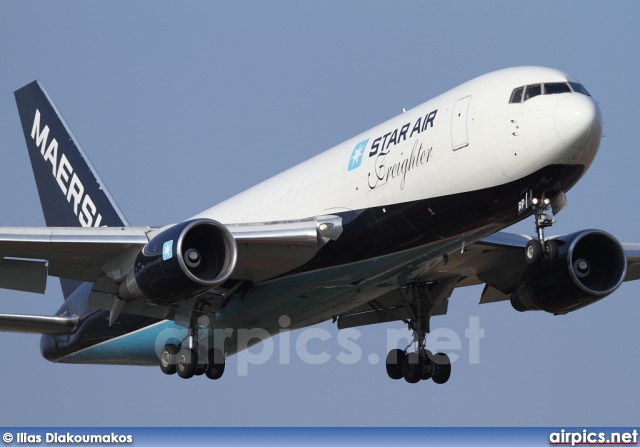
{"type": "Point", "coordinates": [181, 262]}
{"type": "Point", "coordinates": [591, 264]}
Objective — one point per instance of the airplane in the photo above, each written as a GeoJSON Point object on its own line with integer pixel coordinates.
{"type": "Point", "coordinates": [380, 228]}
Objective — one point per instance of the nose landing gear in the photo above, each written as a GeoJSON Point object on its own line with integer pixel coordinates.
{"type": "Point", "coordinates": [541, 249]}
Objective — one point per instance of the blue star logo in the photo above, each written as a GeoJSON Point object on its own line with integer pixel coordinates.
{"type": "Point", "coordinates": [167, 250]}
{"type": "Point", "coordinates": [356, 155]}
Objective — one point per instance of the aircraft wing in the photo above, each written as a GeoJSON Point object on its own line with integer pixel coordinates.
{"type": "Point", "coordinates": [28, 255]}
{"type": "Point", "coordinates": [497, 261]}
{"type": "Point", "coordinates": [503, 242]}
{"type": "Point", "coordinates": [74, 253]}
{"type": "Point", "coordinates": [95, 254]}
{"type": "Point", "coordinates": [264, 251]}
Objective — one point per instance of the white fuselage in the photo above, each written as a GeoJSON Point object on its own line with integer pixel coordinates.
{"type": "Point", "coordinates": [469, 138]}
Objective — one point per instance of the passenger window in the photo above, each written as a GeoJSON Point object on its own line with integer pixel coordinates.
{"type": "Point", "coordinates": [532, 90]}
{"type": "Point", "coordinates": [556, 87]}
{"type": "Point", "coordinates": [578, 88]}
{"type": "Point", "coordinates": [516, 95]}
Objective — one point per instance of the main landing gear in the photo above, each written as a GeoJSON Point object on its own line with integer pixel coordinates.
{"type": "Point", "coordinates": [541, 250]}
{"type": "Point", "coordinates": [191, 358]}
{"type": "Point", "coordinates": [419, 363]}
{"type": "Point", "coordinates": [189, 362]}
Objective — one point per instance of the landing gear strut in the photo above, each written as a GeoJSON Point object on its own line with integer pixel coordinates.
{"type": "Point", "coordinates": [415, 362]}
{"type": "Point", "coordinates": [191, 358]}
{"type": "Point", "coordinates": [541, 249]}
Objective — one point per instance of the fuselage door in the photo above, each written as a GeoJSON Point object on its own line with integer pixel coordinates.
{"type": "Point", "coordinates": [459, 138]}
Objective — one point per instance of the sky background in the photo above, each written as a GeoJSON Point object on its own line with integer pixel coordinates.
{"type": "Point", "coordinates": [180, 105]}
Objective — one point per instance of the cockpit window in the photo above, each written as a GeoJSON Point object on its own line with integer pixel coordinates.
{"type": "Point", "coordinates": [578, 88]}
{"type": "Point", "coordinates": [549, 88]}
{"type": "Point", "coordinates": [532, 90]}
{"type": "Point", "coordinates": [516, 95]}
{"type": "Point", "coordinates": [554, 88]}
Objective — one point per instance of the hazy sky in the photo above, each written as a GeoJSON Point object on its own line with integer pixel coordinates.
{"type": "Point", "coordinates": [180, 105]}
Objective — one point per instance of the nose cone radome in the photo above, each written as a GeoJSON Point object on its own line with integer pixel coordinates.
{"type": "Point", "coordinates": [578, 121]}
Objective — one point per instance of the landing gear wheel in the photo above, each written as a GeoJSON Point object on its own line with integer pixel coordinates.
{"type": "Point", "coordinates": [187, 363]}
{"type": "Point", "coordinates": [412, 367]}
{"type": "Point", "coordinates": [551, 247]}
{"type": "Point", "coordinates": [215, 367]}
{"type": "Point", "coordinates": [395, 363]}
{"type": "Point", "coordinates": [168, 359]}
{"type": "Point", "coordinates": [442, 368]}
{"type": "Point", "coordinates": [533, 251]}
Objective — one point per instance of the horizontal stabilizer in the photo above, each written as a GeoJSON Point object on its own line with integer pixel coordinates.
{"type": "Point", "coordinates": [37, 324]}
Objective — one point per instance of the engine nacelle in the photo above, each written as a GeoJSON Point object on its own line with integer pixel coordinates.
{"type": "Point", "coordinates": [181, 262]}
{"type": "Point", "coordinates": [591, 264]}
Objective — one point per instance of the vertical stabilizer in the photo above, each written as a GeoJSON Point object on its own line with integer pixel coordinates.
{"type": "Point", "coordinates": [71, 191]}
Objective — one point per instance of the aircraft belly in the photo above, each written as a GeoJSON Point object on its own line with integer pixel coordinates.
{"type": "Point", "coordinates": [139, 347]}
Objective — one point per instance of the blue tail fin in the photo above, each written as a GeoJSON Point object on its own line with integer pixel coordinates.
{"type": "Point", "coordinates": [71, 191]}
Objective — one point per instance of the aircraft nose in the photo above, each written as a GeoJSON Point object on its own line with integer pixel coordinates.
{"type": "Point", "coordinates": [578, 121]}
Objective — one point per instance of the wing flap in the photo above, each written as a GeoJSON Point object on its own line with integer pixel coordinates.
{"type": "Point", "coordinates": [22, 275]}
